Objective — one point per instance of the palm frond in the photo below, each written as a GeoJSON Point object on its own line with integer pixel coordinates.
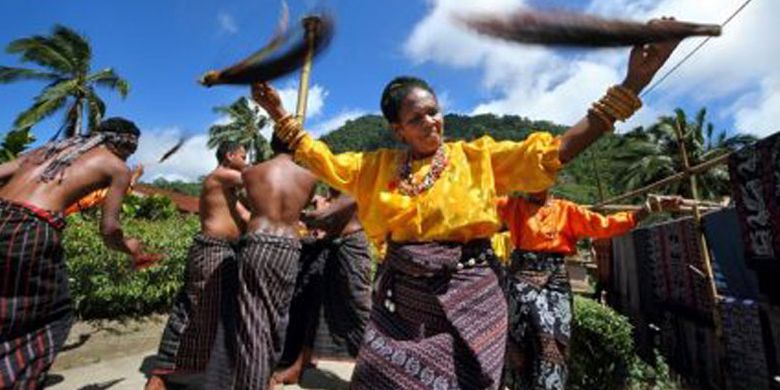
{"type": "Point", "coordinates": [75, 44]}
{"type": "Point", "coordinates": [96, 109]}
{"type": "Point", "coordinates": [42, 51]}
{"type": "Point", "coordinates": [109, 79]}
{"type": "Point", "coordinates": [9, 75]}
{"type": "Point", "coordinates": [40, 110]}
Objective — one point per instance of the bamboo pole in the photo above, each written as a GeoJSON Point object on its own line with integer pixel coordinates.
{"type": "Point", "coordinates": [631, 207]}
{"type": "Point", "coordinates": [310, 25]}
{"type": "Point", "coordinates": [708, 274]}
{"type": "Point", "coordinates": [671, 179]}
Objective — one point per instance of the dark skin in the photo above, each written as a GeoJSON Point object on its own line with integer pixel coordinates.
{"type": "Point", "coordinates": [98, 168]}
{"type": "Point", "coordinates": [420, 124]}
{"type": "Point", "coordinates": [337, 218]}
{"type": "Point", "coordinates": [221, 213]}
{"type": "Point", "coordinates": [277, 192]}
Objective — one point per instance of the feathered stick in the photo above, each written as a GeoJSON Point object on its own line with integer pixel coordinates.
{"type": "Point", "coordinates": [264, 65]}
{"type": "Point", "coordinates": [173, 150]}
{"type": "Point", "coordinates": [572, 29]}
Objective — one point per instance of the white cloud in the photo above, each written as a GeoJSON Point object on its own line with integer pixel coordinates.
{"type": "Point", "coordinates": [227, 23]}
{"type": "Point", "coordinates": [335, 122]}
{"type": "Point", "coordinates": [191, 161]}
{"type": "Point", "coordinates": [758, 113]}
{"type": "Point", "coordinates": [743, 65]}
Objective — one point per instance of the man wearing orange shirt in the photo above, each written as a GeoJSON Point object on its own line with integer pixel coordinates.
{"type": "Point", "coordinates": [543, 231]}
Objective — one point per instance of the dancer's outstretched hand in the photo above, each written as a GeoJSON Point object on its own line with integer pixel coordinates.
{"type": "Point", "coordinates": [267, 97]}
{"type": "Point", "coordinates": [645, 60]}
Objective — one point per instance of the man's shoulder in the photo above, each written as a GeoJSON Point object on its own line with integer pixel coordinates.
{"type": "Point", "coordinates": [104, 159]}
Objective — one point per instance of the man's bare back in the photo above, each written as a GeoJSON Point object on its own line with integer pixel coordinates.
{"type": "Point", "coordinates": [221, 214]}
{"type": "Point", "coordinates": [93, 170]}
{"type": "Point", "coordinates": [76, 169]}
{"type": "Point", "coordinates": [277, 190]}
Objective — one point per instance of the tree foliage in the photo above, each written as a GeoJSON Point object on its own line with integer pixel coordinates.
{"type": "Point", "coordinates": [182, 187]}
{"type": "Point", "coordinates": [64, 60]}
{"type": "Point", "coordinates": [14, 143]}
{"type": "Point", "coordinates": [648, 155]}
{"type": "Point", "coordinates": [243, 127]}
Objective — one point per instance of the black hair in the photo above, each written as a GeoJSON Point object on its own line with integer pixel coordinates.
{"type": "Point", "coordinates": [118, 125]}
{"type": "Point", "coordinates": [278, 146]}
{"type": "Point", "coordinates": [226, 147]}
{"type": "Point", "coordinates": [394, 93]}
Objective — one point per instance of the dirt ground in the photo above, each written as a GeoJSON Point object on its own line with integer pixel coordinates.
{"type": "Point", "coordinates": [117, 355]}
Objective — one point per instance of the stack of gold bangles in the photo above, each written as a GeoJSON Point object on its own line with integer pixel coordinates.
{"type": "Point", "coordinates": [289, 130]}
{"type": "Point", "coordinates": [617, 105]}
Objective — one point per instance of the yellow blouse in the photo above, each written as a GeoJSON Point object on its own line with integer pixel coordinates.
{"type": "Point", "coordinates": [460, 206]}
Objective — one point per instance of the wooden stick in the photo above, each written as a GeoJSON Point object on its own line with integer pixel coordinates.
{"type": "Point", "coordinates": [704, 248]}
{"type": "Point", "coordinates": [630, 207]}
{"type": "Point", "coordinates": [669, 180]}
{"type": "Point", "coordinates": [310, 24]}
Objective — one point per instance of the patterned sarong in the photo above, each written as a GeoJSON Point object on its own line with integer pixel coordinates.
{"type": "Point", "coordinates": [334, 284]}
{"type": "Point", "coordinates": [347, 291]}
{"type": "Point", "coordinates": [267, 267]}
{"type": "Point", "coordinates": [306, 302]}
{"type": "Point", "coordinates": [209, 280]}
{"type": "Point", "coordinates": [755, 178]}
{"type": "Point", "coordinates": [36, 311]}
{"type": "Point", "coordinates": [540, 312]}
{"type": "Point", "coordinates": [438, 320]}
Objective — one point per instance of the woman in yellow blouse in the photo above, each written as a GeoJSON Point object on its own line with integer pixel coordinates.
{"type": "Point", "coordinates": [543, 231]}
{"type": "Point", "coordinates": [439, 316]}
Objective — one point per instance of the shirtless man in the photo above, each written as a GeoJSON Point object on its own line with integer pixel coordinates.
{"type": "Point", "coordinates": [35, 306]}
{"type": "Point", "coordinates": [277, 191]}
{"type": "Point", "coordinates": [191, 332]}
{"type": "Point", "coordinates": [335, 275]}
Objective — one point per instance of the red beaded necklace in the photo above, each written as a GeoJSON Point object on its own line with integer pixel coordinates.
{"type": "Point", "coordinates": [406, 183]}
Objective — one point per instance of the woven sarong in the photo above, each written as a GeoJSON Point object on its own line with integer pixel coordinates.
{"type": "Point", "coordinates": [438, 320]}
{"type": "Point", "coordinates": [540, 311]}
{"type": "Point", "coordinates": [36, 311]}
{"type": "Point", "coordinates": [306, 302]}
{"type": "Point", "coordinates": [755, 178]}
{"type": "Point", "coordinates": [332, 300]}
{"type": "Point", "coordinates": [209, 279]}
{"type": "Point", "coordinates": [267, 267]}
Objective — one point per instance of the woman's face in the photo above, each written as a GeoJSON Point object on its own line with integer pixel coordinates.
{"type": "Point", "coordinates": [420, 123]}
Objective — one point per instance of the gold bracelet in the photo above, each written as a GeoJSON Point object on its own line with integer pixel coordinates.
{"type": "Point", "coordinates": [295, 141]}
{"type": "Point", "coordinates": [603, 117]}
{"type": "Point", "coordinates": [624, 94]}
{"type": "Point", "coordinates": [289, 131]}
{"type": "Point", "coordinates": [622, 107]}
{"type": "Point", "coordinates": [609, 110]}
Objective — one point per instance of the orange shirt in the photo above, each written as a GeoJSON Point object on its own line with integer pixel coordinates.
{"type": "Point", "coordinates": [557, 225]}
{"type": "Point", "coordinates": [90, 200]}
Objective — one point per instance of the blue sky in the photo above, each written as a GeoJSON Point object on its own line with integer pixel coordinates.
{"type": "Point", "coordinates": [162, 47]}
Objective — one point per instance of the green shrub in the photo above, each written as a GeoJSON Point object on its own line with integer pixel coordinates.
{"type": "Point", "coordinates": [101, 281]}
{"type": "Point", "coordinates": [153, 207]}
{"type": "Point", "coordinates": [603, 356]}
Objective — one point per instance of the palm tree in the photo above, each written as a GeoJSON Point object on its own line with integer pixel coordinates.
{"type": "Point", "coordinates": [648, 155]}
{"type": "Point", "coordinates": [64, 58]}
{"type": "Point", "coordinates": [243, 128]}
{"type": "Point", "coordinates": [14, 143]}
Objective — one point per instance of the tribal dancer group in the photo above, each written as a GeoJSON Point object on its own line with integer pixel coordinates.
{"type": "Point", "coordinates": [442, 311]}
